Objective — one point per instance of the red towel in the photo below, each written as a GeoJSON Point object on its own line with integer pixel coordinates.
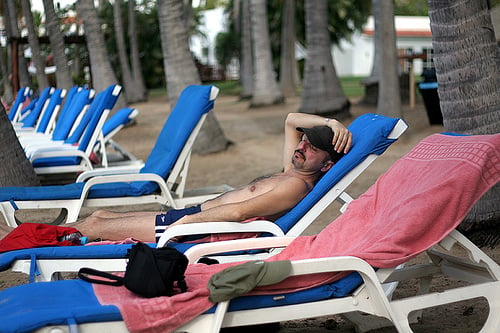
{"type": "Point", "coordinates": [414, 205]}
{"type": "Point", "coordinates": [30, 235]}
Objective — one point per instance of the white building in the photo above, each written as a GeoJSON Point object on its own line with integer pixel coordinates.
{"type": "Point", "coordinates": [351, 58]}
{"type": "Point", "coordinates": [355, 57]}
{"type": "Point", "coordinates": [213, 22]}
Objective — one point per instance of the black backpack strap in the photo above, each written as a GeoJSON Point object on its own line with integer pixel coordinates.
{"type": "Point", "coordinates": [113, 280]}
{"type": "Point", "coordinates": [182, 285]}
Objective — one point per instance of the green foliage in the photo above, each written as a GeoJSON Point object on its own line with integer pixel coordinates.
{"type": "Point", "coordinates": [211, 4]}
{"type": "Point", "coordinates": [345, 17]}
{"type": "Point", "coordinates": [352, 87]}
{"type": "Point", "coordinates": [148, 38]}
{"type": "Point", "coordinates": [227, 46]}
{"type": "Point", "coordinates": [228, 88]}
{"type": "Point", "coordinates": [411, 8]}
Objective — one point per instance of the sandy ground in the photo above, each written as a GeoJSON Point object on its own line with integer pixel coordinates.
{"type": "Point", "coordinates": [257, 136]}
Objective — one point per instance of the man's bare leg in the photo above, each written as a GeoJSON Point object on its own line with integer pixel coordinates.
{"type": "Point", "coordinates": [111, 226]}
{"type": "Point", "coordinates": [118, 226]}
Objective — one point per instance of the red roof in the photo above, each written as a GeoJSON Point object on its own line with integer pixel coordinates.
{"type": "Point", "coordinates": [405, 33]}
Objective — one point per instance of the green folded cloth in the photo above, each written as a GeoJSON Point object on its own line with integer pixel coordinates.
{"type": "Point", "coordinates": [240, 279]}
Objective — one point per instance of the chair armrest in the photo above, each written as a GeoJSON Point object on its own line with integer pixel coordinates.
{"type": "Point", "coordinates": [46, 145]}
{"type": "Point", "coordinates": [60, 153]}
{"type": "Point", "coordinates": [125, 178]}
{"type": "Point", "coordinates": [219, 228]}
{"type": "Point", "coordinates": [198, 251]}
{"type": "Point", "coordinates": [118, 170]}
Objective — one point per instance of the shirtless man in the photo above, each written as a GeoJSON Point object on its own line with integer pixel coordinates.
{"type": "Point", "coordinates": [303, 165]}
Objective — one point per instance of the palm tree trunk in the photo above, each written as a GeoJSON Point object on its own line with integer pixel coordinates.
{"type": "Point", "coordinates": [36, 55]}
{"type": "Point", "coordinates": [63, 73]}
{"type": "Point", "coordinates": [265, 89]}
{"type": "Point", "coordinates": [375, 72]}
{"type": "Point", "coordinates": [128, 84]}
{"type": "Point", "coordinates": [371, 82]}
{"type": "Point", "coordinates": [323, 92]}
{"type": "Point", "coordinates": [16, 170]}
{"type": "Point", "coordinates": [10, 22]}
{"type": "Point", "coordinates": [389, 98]}
{"type": "Point", "coordinates": [7, 94]}
{"type": "Point", "coordinates": [467, 61]}
{"type": "Point", "coordinates": [100, 66]}
{"type": "Point", "coordinates": [246, 66]}
{"type": "Point", "coordinates": [288, 65]}
{"type": "Point", "coordinates": [134, 53]}
{"type": "Point", "coordinates": [466, 57]}
{"type": "Point", "coordinates": [180, 71]}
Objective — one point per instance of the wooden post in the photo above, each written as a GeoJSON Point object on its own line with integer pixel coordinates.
{"type": "Point", "coordinates": [412, 85]}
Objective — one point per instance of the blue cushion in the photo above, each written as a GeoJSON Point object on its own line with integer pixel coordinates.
{"type": "Point", "coordinates": [121, 117]}
{"type": "Point", "coordinates": [336, 289]}
{"type": "Point", "coordinates": [55, 100]}
{"type": "Point", "coordinates": [32, 117]}
{"type": "Point", "coordinates": [193, 102]}
{"type": "Point", "coordinates": [30, 306]}
{"type": "Point", "coordinates": [30, 106]}
{"type": "Point", "coordinates": [20, 99]}
{"type": "Point", "coordinates": [104, 101]}
{"type": "Point", "coordinates": [69, 113]}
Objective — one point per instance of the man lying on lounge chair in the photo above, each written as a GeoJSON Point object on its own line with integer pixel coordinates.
{"type": "Point", "coordinates": [312, 146]}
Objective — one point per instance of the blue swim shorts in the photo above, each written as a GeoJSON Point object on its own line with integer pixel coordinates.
{"type": "Point", "coordinates": [162, 221]}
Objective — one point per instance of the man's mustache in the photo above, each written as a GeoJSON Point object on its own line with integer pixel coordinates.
{"type": "Point", "coordinates": [297, 151]}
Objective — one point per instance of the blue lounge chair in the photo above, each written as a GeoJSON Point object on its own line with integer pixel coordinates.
{"type": "Point", "coordinates": [17, 106]}
{"type": "Point", "coordinates": [155, 182]}
{"type": "Point", "coordinates": [74, 154]}
{"type": "Point", "coordinates": [25, 111]}
{"type": "Point", "coordinates": [31, 119]}
{"type": "Point", "coordinates": [111, 151]}
{"type": "Point", "coordinates": [47, 116]}
{"type": "Point", "coordinates": [76, 103]}
{"type": "Point", "coordinates": [372, 135]}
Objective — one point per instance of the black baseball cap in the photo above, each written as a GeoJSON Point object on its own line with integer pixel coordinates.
{"type": "Point", "coordinates": [321, 137]}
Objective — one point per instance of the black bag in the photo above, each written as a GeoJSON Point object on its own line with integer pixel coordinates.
{"type": "Point", "coordinates": [150, 272]}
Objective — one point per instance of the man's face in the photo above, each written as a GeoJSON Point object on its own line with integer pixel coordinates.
{"type": "Point", "coordinates": [309, 157]}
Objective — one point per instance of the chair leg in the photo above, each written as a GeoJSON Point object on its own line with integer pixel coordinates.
{"type": "Point", "coordinates": [219, 314]}
{"type": "Point", "coordinates": [8, 211]}
{"type": "Point", "coordinates": [493, 321]}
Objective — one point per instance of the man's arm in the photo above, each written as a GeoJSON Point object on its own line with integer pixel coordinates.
{"type": "Point", "coordinates": [274, 202]}
{"type": "Point", "coordinates": [342, 138]}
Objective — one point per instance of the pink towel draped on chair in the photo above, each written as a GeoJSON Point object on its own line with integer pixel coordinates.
{"type": "Point", "coordinates": [414, 205]}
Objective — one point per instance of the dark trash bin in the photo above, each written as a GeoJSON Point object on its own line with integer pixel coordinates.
{"type": "Point", "coordinates": [429, 93]}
